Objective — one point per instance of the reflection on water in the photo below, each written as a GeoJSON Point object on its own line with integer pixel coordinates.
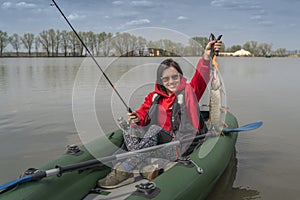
{"type": "Point", "coordinates": [36, 118]}
{"type": "Point", "coordinates": [224, 188]}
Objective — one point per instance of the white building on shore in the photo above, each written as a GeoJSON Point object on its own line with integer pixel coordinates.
{"type": "Point", "coordinates": [239, 53]}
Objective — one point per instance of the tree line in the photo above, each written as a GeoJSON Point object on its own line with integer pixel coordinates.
{"type": "Point", "coordinates": [65, 43]}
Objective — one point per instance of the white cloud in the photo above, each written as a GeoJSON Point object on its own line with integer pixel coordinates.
{"type": "Point", "coordinates": [266, 23]}
{"type": "Point", "coordinates": [138, 22]}
{"type": "Point", "coordinates": [256, 17]}
{"type": "Point", "coordinates": [25, 5]}
{"type": "Point", "coordinates": [236, 4]}
{"type": "Point", "coordinates": [117, 3]}
{"type": "Point", "coordinates": [75, 16]}
{"type": "Point", "coordinates": [252, 8]}
{"type": "Point", "coordinates": [218, 3]}
{"type": "Point", "coordinates": [143, 3]}
{"type": "Point", "coordinates": [6, 5]}
{"type": "Point", "coordinates": [182, 18]}
{"type": "Point", "coordinates": [19, 5]}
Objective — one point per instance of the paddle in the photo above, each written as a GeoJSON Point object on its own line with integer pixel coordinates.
{"type": "Point", "coordinates": [247, 127]}
{"type": "Point", "coordinates": [58, 170]}
{"type": "Point", "coordinates": [39, 174]}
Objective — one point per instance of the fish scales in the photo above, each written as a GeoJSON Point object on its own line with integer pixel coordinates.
{"type": "Point", "coordinates": [216, 109]}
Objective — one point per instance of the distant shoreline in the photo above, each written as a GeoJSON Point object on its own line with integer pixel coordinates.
{"type": "Point", "coordinates": [10, 55]}
{"type": "Point", "coordinates": [61, 55]}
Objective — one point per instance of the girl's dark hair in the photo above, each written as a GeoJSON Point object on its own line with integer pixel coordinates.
{"type": "Point", "coordinates": [167, 63]}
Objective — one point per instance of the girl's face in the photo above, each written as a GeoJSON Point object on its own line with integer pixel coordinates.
{"type": "Point", "coordinates": [170, 79]}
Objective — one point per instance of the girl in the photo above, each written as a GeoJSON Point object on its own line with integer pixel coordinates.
{"type": "Point", "coordinates": [169, 112]}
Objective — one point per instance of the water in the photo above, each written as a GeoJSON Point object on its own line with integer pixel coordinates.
{"type": "Point", "coordinates": [36, 118]}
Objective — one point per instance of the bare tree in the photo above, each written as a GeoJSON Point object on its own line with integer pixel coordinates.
{"type": "Point", "coordinates": [234, 48]}
{"type": "Point", "coordinates": [73, 42]}
{"type": "Point", "coordinates": [119, 43]}
{"type": "Point", "coordinates": [168, 46]}
{"type": "Point", "coordinates": [198, 44]}
{"type": "Point", "coordinates": [90, 39]}
{"type": "Point", "coordinates": [133, 44]}
{"type": "Point", "coordinates": [280, 52]}
{"type": "Point", "coordinates": [65, 42]}
{"type": "Point", "coordinates": [15, 42]}
{"type": "Point", "coordinates": [265, 49]}
{"type": "Point", "coordinates": [79, 45]}
{"type": "Point", "coordinates": [125, 43]}
{"type": "Point", "coordinates": [52, 40]}
{"type": "Point", "coordinates": [57, 41]}
{"type": "Point", "coordinates": [141, 43]}
{"type": "Point", "coordinates": [37, 45]}
{"type": "Point", "coordinates": [45, 41]}
{"type": "Point", "coordinates": [27, 40]}
{"type": "Point", "coordinates": [179, 49]}
{"type": "Point", "coordinates": [104, 41]}
{"type": "Point", "coordinates": [3, 41]}
{"type": "Point", "coordinates": [252, 46]}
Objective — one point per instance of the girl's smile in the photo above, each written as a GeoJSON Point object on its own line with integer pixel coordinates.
{"type": "Point", "coordinates": [170, 79]}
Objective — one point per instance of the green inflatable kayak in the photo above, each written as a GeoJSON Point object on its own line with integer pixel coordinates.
{"type": "Point", "coordinates": [193, 178]}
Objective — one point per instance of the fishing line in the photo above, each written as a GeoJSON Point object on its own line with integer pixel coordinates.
{"type": "Point", "coordinates": [86, 48]}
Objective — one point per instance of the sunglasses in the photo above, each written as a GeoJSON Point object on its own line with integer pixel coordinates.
{"type": "Point", "coordinates": [174, 77]}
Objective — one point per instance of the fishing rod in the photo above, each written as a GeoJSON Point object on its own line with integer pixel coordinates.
{"type": "Point", "coordinates": [87, 49]}
{"type": "Point", "coordinates": [37, 175]}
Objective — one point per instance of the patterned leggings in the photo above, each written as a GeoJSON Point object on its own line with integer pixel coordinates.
{"type": "Point", "coordinates": [136, 138]}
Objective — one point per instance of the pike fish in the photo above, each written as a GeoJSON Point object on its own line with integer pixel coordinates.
{"type": "Point", "coordinates": [217, 110]}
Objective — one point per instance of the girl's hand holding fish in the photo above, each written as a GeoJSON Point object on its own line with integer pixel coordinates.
{"type": "Point", "coordinates": [216, 44]}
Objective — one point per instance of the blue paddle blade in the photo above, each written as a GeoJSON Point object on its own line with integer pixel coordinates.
{"type": "Point", "coordinates": [12, 183]}
{"type": "Point", "coordinates": [247, 127]}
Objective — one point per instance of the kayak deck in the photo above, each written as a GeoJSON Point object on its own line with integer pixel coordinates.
{"type": "Point", "coordinates": [192, 185]}
{"type": "Point", "coordinates": [179, 182]}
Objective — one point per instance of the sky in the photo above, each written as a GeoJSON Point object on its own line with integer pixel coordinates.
{"type": "Point", "coordinates": [274, 22]}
